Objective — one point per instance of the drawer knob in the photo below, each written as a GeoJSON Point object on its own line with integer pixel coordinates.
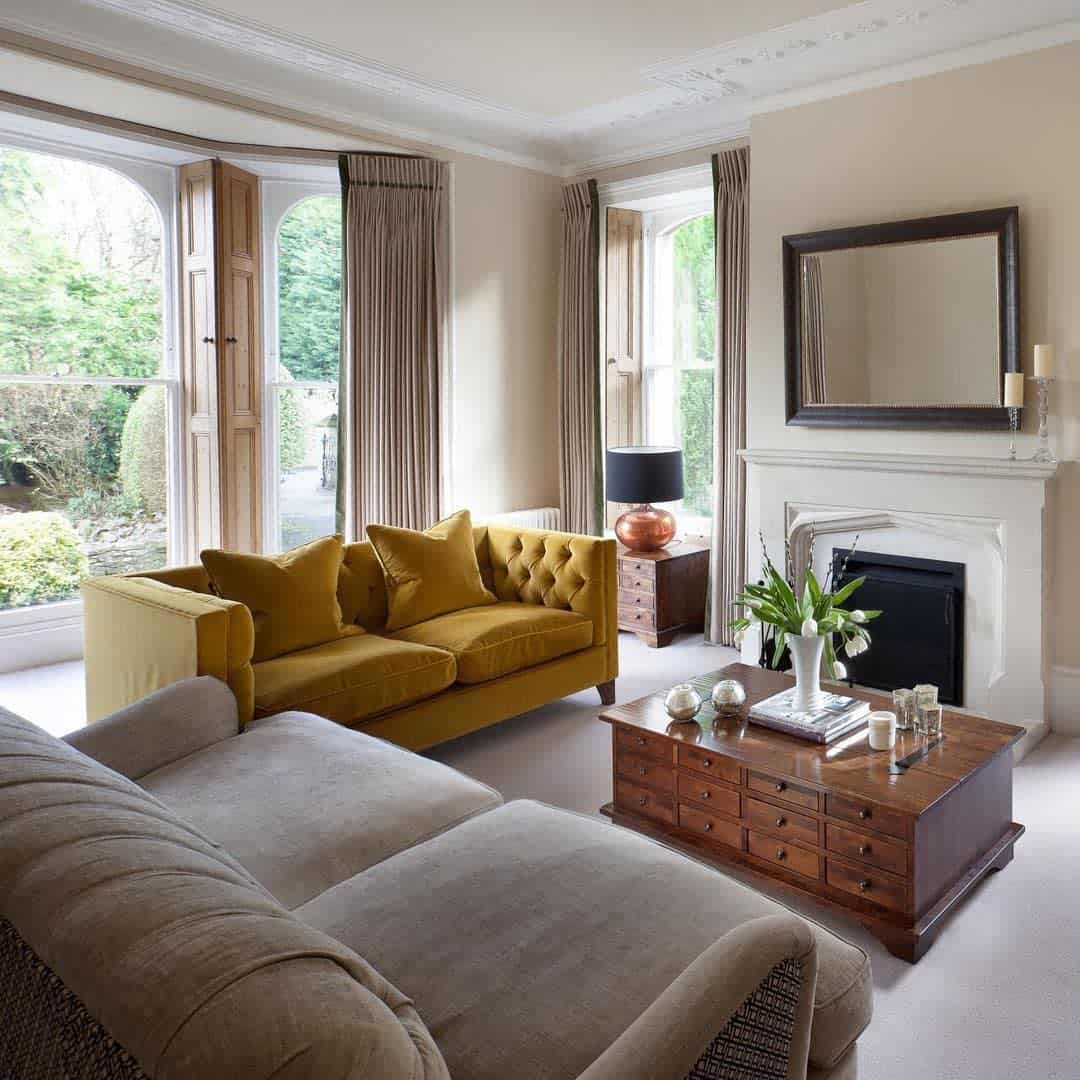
{"type": "Point", "coordinates": [708, 826]}
{"type": "Point", "coordinates": [781, 786]}
{"type": "Point", "coordinates": [644, 800]}
{"type": "Point", "coordinates": [706, 794]}
{"type": "Point", "coordinates": [643, 771]}
{"type": "Point", "coordinates": [781, 853]}
{"type": "Point", "coordinates": [781, 822]}
{"type": "Point", "coordinates": [864, 885]}
{"type": "Point", "coordinates": [641, 740]}
{"type": "Point", "coordinates": [864, 813]}
{"type": "Point", "coordinates": [864, 849]}
{"type": "Point", "coordinates": [706, 763]}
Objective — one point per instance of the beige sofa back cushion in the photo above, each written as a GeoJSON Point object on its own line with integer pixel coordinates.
{"type": "Point", "coordinates": [184, 959]}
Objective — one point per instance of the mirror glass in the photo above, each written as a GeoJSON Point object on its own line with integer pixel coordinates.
{"type": "Point", "coordinates": [904, 324]}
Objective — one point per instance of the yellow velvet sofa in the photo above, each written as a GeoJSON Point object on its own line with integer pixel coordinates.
{"type": "Point", "coordinates": [552, 632]}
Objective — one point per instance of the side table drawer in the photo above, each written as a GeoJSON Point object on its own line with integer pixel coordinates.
{"type": "Point", "coordinates": [643, 617]}
{"type": "Point", "coordinates": [639, 800]}
{"type": "Point", "coordinates": [778, 788]}
{"type": "Point", "coordinates": [720, 799]}
{"type": "Point", "coordinates": [796, 859]}
{"type": "Point", "coordinates": [868, 849]}
{"type": "Point", "coordinates": [694, 819]}
{"type": "Point", "coordinates": [782, 823]}
{"type": "Point", "coordinates": [636, 741]}
{"type": "Point", "coordinates": [632, 600]}
{"type": "Point", "coordinates": [628, 564]}
{"type": "Point", "coordinates": [864, 813]}
{"type": "Point", "coordinates": [636, 582]}
{"type": "Point", "coordinates": [867, 885]}
{"type": "Point", "coordinates": [645, 770]}
{"type": "Point", "coordinates": [708, 764]}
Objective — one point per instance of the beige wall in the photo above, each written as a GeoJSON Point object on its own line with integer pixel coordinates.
{"type": "Point", "coordinates": [506, 250]}
{"type": "Point", "coordinates": [997, 134]}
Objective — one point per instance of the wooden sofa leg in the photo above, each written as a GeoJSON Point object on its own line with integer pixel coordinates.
{"type": "Point", "coordinates": [607, 692]}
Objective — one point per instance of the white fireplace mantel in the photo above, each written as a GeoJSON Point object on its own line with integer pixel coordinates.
{"type": "Point", "coordinates": [985, 512]}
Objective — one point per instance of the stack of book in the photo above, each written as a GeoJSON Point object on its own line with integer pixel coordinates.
{"type": "Point", "coordinates": [838, 716]}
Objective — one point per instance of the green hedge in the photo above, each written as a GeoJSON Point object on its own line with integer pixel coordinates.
{"type": "Point", "coordinates": [40, 559]}
{"type": "Point", "coordinates": [292, 439]}
{"type": "Point", "coordinates": [143, 469]}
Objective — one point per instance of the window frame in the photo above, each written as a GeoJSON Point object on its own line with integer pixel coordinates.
{"type": "Point", "coordinates": [279, 198]}
{"type": "Point", "coordinates": [157, 181]}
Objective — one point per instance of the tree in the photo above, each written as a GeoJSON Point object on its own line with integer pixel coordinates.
{"type": "Point", "coordinates": [309, 283]}
{"type": "Point", "coordinates": [695, 280]}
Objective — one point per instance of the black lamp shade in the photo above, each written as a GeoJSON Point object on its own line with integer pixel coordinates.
{"type": "Point", "coordinates": [644, 474]}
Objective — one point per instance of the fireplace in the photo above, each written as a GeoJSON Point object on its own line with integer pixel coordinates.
{"type": "Point", "coordinates": [919, 638]}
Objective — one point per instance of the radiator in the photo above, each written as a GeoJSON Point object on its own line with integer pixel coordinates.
{"type": "Point", "coordinates": [540, 517]}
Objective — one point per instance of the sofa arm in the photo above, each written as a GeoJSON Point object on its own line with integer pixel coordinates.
{"type": "Point", "coordinates": [749, 995]}
{"type": "Point", "coordinates": [140, 635]}
{"type": "Point", "coordinates": [561, 570]}
{"type": "Point", "coordinates": [162, 728]}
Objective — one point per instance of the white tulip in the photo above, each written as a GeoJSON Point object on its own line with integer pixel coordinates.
{"type": "Point", "coordinates": [856, 646]}
{"type": "Point", "coordinates": [740, 637]}
{"type": "Point", "coordinates": [858, 616]}
{"type": "Point", "coordinates": [809, 628]}
{"type": "Point", "coordinates": [839, 671]}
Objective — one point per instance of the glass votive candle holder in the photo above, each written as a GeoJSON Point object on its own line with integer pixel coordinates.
{"type": "Point", "coordinates": [925, 694]}
{"type": "Point", "coordinates": [904, 707]}
{"type": "Point", "coordinates": [929, 720]}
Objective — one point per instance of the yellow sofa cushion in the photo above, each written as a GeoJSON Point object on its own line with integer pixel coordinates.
{"type": "Point", "coordinates": [292, 597]}
{"type": "Point", "coordinates": [352, 678]}
{"type": "Point", "coordinates": [429, 573]}
{"type": "Point", "coordinates": [489, 642]}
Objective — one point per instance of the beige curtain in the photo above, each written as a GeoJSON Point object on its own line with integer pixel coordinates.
{"type": "Point", "coordinates": [581, 484]}
{"type": "Point", "coordinates": [814, 385]}
{"type": "Point", "coordinates": [394, 319]}
{"type": "Point", "coordinates": [727, 568]}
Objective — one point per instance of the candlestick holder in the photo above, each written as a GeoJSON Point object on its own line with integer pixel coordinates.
{"type": "Point", "coordinates": [1014, 425]}
{"type": "Point", "coordinates": [1042, 451]}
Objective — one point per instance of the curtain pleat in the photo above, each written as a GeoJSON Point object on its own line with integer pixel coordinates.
{"type": "Point", "coordinates": [393, 339]}
{"type": "Point", "coordinates": [581, 486]}
{"type": "Point", "coordinates": [815, 385]}
{"type": "Point", "coordinates": [727, 568]}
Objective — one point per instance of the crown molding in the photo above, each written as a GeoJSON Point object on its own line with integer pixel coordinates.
{"type": "Point", "coordinates": [647, 151]}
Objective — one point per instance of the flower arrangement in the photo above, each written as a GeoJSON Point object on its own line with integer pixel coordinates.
{"type": "Point", "coordinates": [818, 612]}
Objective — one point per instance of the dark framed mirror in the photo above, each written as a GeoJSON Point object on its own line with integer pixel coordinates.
{"type": "Point", "coordinates": [907, 324]}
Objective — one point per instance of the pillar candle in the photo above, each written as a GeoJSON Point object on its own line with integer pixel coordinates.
{"type": "Point", "coordinates": [1014, 390]}
{"type": "Point", "coordinates": [1044, 361]}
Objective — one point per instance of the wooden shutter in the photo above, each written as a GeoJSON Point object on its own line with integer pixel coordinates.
{"type": "Point", "coordinates": [222, 351]}
{"type": "Point", "coordinates": [622, 332]}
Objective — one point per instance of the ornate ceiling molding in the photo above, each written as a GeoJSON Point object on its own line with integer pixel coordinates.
{"type": "Point", "coordinates": [690, 101]}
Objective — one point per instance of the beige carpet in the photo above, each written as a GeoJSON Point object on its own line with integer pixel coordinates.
{"type": "Point", "coordinates": [996, 998]}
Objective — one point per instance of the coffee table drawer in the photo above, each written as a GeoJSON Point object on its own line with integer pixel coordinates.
{"type": "Point", "coordinates": [864, 813]}
{"type": "Point", "coordinates": [721, 800]}
{"type": "Point", "coordinates": [634, 617]}
{"type": "Point", "coordinates": [635, 741]}
{"type": "Point", "coordinates": [696, 820]}
{"type": "Point", "coordinates": [869, 885]}
{"type": "Point", "coordinates": [782, 823]}
{"type": "Point", "coordinates": [645, 770]}
{"type": "Point", "coordinates": [691, 757]}
{"type": "Point", "coordinates": [868, 849]}
{"type": "Point", "coordinates": [640, 800]}
{"type": "Point", "coordinates": [778, 788]}
{"type": "Point", "coordinates": [796, 859]}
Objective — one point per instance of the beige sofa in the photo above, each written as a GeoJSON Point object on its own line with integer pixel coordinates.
{"type": "Point", "coordinates": [180, 899]}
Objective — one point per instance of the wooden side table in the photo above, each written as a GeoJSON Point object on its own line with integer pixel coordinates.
{"type": "Point", "coordinates": [663, 592]}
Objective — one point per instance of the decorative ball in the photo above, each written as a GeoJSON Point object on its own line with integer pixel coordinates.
{"type": "Point", "coordinates": [728, 697]}
{"type": "Point", "coordinates": [682, 702]}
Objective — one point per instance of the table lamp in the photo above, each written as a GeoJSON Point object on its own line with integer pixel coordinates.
{"type": "Point", "coordinates": [643, 475]}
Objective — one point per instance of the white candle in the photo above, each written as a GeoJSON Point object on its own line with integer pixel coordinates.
{"type": "Point", "coordinates": [1014, 390]}
{"type": "Point", "coordinates": [882, 730]}
{"type": "Point", "coordinates": [1044, 361]}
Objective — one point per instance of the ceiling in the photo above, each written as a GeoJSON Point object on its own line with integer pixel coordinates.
{"type": "Point", "coordinates": [554, 84]}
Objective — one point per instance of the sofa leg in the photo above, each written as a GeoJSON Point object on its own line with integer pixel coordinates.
{"type": "Point", "coordinates": [607, 692]}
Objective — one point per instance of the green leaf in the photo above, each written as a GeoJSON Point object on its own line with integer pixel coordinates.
{"type": "Point", "coordinates": [842, 594]}
{"type": "Point", "coordinates": [778, 648]}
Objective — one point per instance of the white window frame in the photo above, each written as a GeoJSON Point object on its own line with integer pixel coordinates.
{"type": "Point", "coordinates": [158, 182]}
{"type": "Point", "coordinates": [279, 197]}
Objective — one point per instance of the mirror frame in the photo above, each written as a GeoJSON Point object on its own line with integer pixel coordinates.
{"type": "Point", "coordinates": [1004, 223]}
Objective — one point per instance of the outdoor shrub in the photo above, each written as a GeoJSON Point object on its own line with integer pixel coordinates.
{"type": "Point", "coordinates": [291, 436]}
{"type": "Point", "coordinates": [103, 452]}
{"type": "Point", "coordinates": [40, 559]}
{"type": "Point", "coordinates": [143, 470]}
{"type": "Point", "coordinates": [97, 506]}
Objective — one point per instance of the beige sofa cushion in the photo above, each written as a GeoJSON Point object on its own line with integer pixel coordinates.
{"type": "Point", "coordinates": [352, 678]}
{"type": "Point", "coordinates": [304, 803]}
{"type": "Point", "coordinates": [532, 938]}
{"type": "Point", "coordinates": [170, 945]}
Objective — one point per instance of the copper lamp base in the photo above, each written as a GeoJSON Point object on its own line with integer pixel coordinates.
{"type": "Point", "coordinates": [645, 528]}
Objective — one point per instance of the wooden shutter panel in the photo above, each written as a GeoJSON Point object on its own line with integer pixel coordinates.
{"type": "Point", "coordinates": [222, 355]}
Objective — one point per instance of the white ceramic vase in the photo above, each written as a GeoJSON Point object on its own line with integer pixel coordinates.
{"type": "Point", "coordinates": [806, 657]}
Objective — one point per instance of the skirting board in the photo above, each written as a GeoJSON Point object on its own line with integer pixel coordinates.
{"type": "Point", "coordinates": [1063, 699]}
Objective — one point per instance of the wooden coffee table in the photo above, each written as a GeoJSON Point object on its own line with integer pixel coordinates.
{"type": "Point", "coordinates": [897, 852]}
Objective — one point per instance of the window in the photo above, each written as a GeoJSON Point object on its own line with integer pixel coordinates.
{"type": "Point", "coordinates": [87, 394]}
{"type": "Point", "coordinates": [304, 374]}
{"type": "Point", "coordinates": [680, 355]}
